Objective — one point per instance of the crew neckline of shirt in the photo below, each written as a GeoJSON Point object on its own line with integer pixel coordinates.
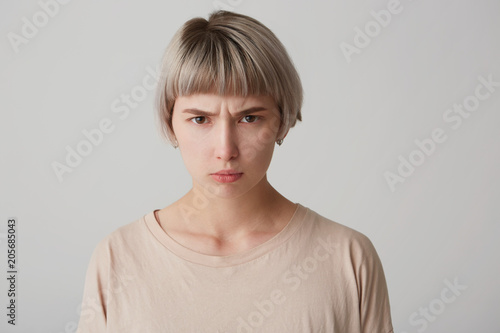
{"type": "Point", "coordinates": [225, 260]}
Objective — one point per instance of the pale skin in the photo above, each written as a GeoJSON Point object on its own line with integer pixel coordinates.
{"type": "Point", "coordinates": [226, 218]}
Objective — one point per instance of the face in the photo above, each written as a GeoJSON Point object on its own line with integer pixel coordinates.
{"type": "Point", "coordinates": [216, 133]}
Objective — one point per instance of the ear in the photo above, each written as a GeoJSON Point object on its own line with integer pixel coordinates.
{"type": "Point", "coordinates": [285, 134]}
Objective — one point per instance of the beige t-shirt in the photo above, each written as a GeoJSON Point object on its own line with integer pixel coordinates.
{"type": "Point", "coordinates": [314, 276]}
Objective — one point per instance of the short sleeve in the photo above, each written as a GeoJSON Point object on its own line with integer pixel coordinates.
{"type": "Point", "coordinates": [94, 301]}
{"type": "Point", "coordinates": [374, 305]}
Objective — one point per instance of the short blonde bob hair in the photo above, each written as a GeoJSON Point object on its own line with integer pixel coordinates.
{"type": "Point", "coordinates": [230, 54]}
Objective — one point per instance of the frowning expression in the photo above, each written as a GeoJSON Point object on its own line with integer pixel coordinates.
{"type": "Point", "coordinates": [232, 133]}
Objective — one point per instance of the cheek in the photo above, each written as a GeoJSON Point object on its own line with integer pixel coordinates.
{"type": "Point", "coordinates": [193, 154]}
{"type": "Point", "coordinates": [263, 141]}
{"type": "Point", "coordinates": [257, 152]}
{"type": "Point", "coordinates": [267, 135]}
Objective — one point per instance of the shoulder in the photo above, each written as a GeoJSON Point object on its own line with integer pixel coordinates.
{"type": "Point", "coordinates": [345, 240]}
{"type": "Point", "coordinates": [355, 262]}
{"type": "Point", "coordinates": [122, 239]}
{"type": "Point", "coordinates": [339, 231]}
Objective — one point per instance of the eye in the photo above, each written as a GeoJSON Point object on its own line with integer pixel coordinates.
{"type": "Point", "coordinates": [256, 118]}
{"type": "Point", "coordinates": [197, 118]}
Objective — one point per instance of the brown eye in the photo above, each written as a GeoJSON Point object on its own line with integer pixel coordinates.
{"type": "Point", "coordinates": [198, 118]}
{"type": "Point", "coordinates": [255, 118]}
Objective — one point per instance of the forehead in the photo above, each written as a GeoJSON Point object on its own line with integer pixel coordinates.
{"type": "Point", "coordinates": [216, 103]}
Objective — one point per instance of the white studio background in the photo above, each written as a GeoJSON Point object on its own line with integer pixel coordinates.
{"type": "Point", "coordinates": [410, 100]}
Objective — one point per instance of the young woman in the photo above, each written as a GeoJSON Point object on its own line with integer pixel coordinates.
{"type": "Point", "coordinates": [232, 254]}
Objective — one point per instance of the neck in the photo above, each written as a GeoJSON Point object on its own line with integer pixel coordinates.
{"type": "Point", "coordinates": [232, 218]}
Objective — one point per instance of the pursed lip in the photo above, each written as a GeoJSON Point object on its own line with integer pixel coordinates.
{"type": "Point", "coordinates": [227, 172]}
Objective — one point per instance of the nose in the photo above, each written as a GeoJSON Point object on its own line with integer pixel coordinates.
{"type": "Point", "coordinates": [226, 145]}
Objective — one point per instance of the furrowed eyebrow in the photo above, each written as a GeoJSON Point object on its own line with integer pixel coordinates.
{"type": "Point", "coordinates": [237, 114]}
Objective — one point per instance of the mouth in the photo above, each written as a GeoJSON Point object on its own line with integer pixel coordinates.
{"type": "Point", "coordinates": [227, 172]}
{"type": "Point", "coordinates": [226, 177]}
